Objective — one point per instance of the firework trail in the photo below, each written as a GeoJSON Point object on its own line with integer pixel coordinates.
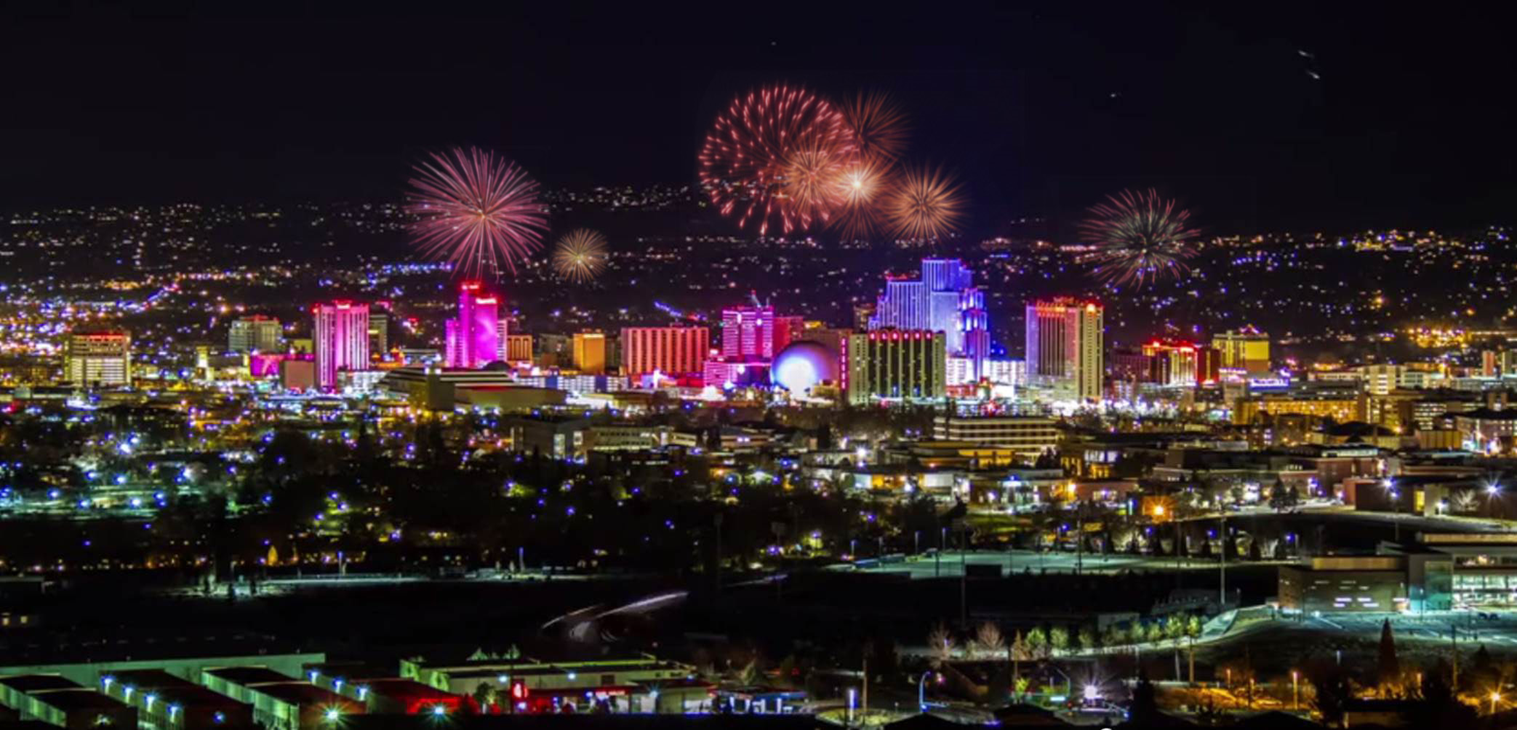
{"type": "Point", "coordinates": [477, 210]}
{"type": "Point", "coordinates": [580, 256]}
{"type": "Point", "coordinates": [878, 126]}
{"type": "Point", "coordinates": [751, 158]}
{"type": "Point", "coordinates": [925, 204]}
{"type": "Point", "coordinates": [1139, 236]}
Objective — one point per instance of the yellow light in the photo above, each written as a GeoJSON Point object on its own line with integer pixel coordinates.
{"type": "Point", "coordinates": [1158, 510]}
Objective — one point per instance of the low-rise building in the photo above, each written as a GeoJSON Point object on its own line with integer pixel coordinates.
{"type": "Point", "coordinates": [1027, 435]}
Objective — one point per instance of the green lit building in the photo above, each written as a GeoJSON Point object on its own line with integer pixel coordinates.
{"type": "Point", "coordinates": [894, 364]}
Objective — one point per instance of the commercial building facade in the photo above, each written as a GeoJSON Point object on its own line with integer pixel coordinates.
{"type": "Point", "coordinates": [1246, 350]}
{"type": "Point", "coordinates": [1027, 435]}
{"type": "Point", "coordinates": [98, 359]}
{"type": "Point", "coordinates": [473, 337]}
{"type": "Point", "coordinates": [341, 340]}
{"type": "Point", "coordinates": [1064, 348]}
{"type": "Point", "coordinates": [672, 351]}
{"type": "Point", "coordinates": [590, 352]}
{"type": "Point", "coordinates": [894, 364]}
{"type": "Point", "coordinates": [255, 334]}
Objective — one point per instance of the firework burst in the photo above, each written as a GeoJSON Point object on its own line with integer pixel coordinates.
{"type": "Point", "coordinates": [1140, 236]}
{"type": "Point", "coordinates": [878, 126]}
{"type": "Point", "coordinates": [860, 188]}
{"type": "Point", "coordinates": [580, 256]}
{"type": "Point", "coordinates": [477, 210]}
{"type": "Point", "coordinates": [924, 205]}
{"type": "Point", "coordinates": [750, 162]}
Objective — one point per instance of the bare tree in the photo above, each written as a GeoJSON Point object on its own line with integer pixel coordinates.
{"type": "Point", "coordinates": [988, 640]}
{"type": "Point", "coordinates": [940, 644]}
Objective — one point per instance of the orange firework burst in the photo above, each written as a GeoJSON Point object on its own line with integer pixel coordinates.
{"type": "Point", "coordinates": [926, 204]}
{"type": "Point", "coordinates": [749, 160]}
{"type": "Point", "coordinates": [812, 184]}
{"type": "Point", "coordinates": [878, 126]}
{"type": "Point", "coordinates": [860, 188]}
{"type": "Point", "coordinates": [580, 256]}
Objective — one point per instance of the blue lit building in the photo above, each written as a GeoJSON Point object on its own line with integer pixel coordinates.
{"type": "Point", "coordinates": [942, 299]}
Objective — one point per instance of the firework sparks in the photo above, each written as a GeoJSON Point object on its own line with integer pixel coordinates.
{"type": "Point", "coordinates": [750, 158]}
{"type": "Point", "coordinates": [859, 190]}
{"type": "Point", "coordinates": [580, 256]}
{"type": "Point", "coordinates": [813, 177]}
{"type": "Point", "coordinates": [1139, 236]}
{"type": "Point", "coordinates": [477, 210]}
{"type": "Point", "coordinates": [878, 126]}
{"type": "Point", "coordinates": [926, 204]}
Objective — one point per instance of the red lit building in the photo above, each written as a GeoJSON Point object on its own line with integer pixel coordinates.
{"type": "Point", "coordinates": [1177, 363]}
{"type": "Point", "coordinates": [673, 351]}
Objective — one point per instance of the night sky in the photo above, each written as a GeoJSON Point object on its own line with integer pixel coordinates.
{"type": "Point", "coordinates": [1260, 117]}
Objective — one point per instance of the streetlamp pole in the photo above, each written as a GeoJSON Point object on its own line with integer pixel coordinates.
{"type": "Point", "coordinates": [1222, 593]}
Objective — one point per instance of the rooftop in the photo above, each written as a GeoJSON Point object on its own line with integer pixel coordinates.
{"type": "Point", "coordinates": [36, 682]}
{"type": "Point", "coordinates": [248, 675]}
{"type": "Point", "coordinates": [77, 699]}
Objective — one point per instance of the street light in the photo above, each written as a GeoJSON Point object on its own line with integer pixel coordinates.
{"type": "Point", "coordinates": [922, 692]}
{"type": "Point", "coordinates": [1495, 697]}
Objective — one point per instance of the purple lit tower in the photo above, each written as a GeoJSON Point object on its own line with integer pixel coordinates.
{"type": "Point", "coordinates": [341, 340]}
{"type": "Point", "coordinates": [474, 335]}
{"type": "Point", "coordinates": [942, 299]}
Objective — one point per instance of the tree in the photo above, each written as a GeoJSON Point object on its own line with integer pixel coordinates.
{"type": "Point", "coordinates": [1389, 667]}
{"type": "Point", "coordinates": [1087, 638]}
{"type": "Point", "coordinates": [1019, 649]}
{"type": "Point", "coordinates": [1282, 499]}
{"type": "Point", "coordinates": [1114, 636]}
{"type": "Point", "coordinates": [1058, 638]}
{"type": "Point", "coordinates": [1440, 707]}
{"type": "Point", "coordinates": [1332, 690]}
{"type": "Point", "coordinates": [1037, 641]}
{"type": "Point", "coordinates": [1193, 627]}
{"type": "Point", "coordinates": [1174, 627]}
{"type": "Point", "coordinates": [749, 675]}
{"type": "Point", "coordinates": [940, 644]}
{"type": "Point", "coordinates": [485, 696]}
{"type": "Point", "coordinates": [1155, 631]}
{"type": "Point", "coordinates": [988, 640]}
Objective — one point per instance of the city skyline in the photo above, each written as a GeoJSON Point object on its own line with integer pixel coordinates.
{"type": "Point", "coordinates": [986, 364]}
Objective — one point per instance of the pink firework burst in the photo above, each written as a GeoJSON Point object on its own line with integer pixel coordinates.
{"type": "Point", "coordinates": [477, 210]}
{"type": "Point", "coordinates": [770, 157]}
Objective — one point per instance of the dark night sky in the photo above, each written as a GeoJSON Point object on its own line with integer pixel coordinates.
{"type": "Point", "coordinates": [1039, 107]}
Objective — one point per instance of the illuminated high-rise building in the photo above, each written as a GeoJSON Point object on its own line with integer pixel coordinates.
{"type": "Point", "coordinates": [669, 350]}
{"type": "Point", "coordinates": [379, 332]}
{"type": "Point", "coordinates": [255, 334]}
{"type": "Point", "coordinates": [98, 359]}
{"type": "Point", "coordinates": [1064, 341]}
{"type": "Point", "coordinates": [942, 299]}
{"type": "Point", "coordinates": [1246, 349]}
{"type": "Point", "coordinates": [473, 337]}
{"type": "Point", "coordinates": [341, 340]}
{"type": "Point", "coordinates": [590, 352]}
{"type": "Point", "coordinates": [748, 334]}
{"type": "Point", "coordinates": [1181, 364]}
{"type": "Point", "coordinates": [894, 364]}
